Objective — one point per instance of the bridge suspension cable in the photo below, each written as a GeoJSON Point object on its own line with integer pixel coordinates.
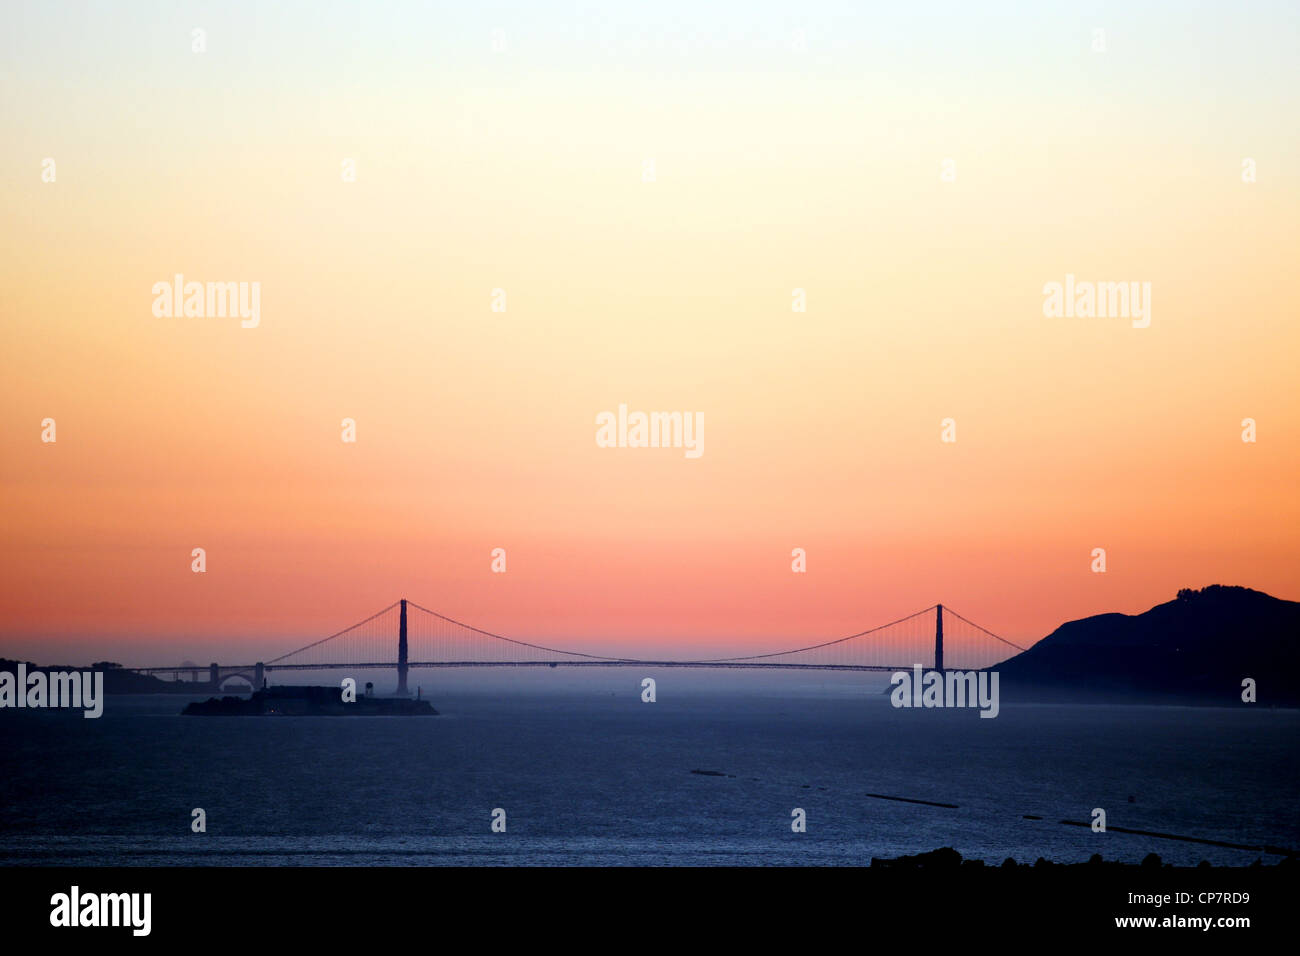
{"type": "Point", "coordinates": [511, 640]}
{"type": "Point", "coordinates": [323, 640]}
{"type": "Point", "coordinates": [814, 647]}
{"type": "Point", "coordinates": [436, 640]}
{"type": "Point", "coordinates": [984, 630]}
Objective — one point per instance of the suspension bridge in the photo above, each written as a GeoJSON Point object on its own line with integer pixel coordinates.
{"type": "Point", "coordinates": [936, 637]}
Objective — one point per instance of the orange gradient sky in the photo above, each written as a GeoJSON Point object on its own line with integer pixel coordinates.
{"type": "Point", "coordinates": [523, 171]}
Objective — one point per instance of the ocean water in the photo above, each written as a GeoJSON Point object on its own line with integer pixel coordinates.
{"type": "Point", "coordinates": [588, 774]}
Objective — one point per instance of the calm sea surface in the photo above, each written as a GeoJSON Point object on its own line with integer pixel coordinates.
{"type": "Point", "coordinates": [588, 774]}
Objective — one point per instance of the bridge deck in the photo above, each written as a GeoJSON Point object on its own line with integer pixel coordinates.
{"type": "Point", "coordinates": [920, 636]}
{"type": "Point", "coordinates": [386, 665]}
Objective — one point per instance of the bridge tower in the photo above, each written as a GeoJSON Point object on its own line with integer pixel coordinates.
{"type": "Point", "coordinates": [938, 638]}
{"type": "Point", "coordinates": [401, 653]}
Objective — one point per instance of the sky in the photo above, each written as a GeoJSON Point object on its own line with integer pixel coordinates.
{"type": "Point", "coordinates": [920, 174]}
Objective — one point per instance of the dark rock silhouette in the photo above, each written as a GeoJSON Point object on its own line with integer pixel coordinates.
{"type": "Point", "coordinates": [944, 858]}
{"type": "Point", "coordinates": [1197, 648]}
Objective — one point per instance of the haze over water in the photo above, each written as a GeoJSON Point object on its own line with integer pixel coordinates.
{"type": "Point", "coordinates": [588, 774]}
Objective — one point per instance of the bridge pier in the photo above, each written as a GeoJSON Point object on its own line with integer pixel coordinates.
{"type": "Point", "coordinates": [214, 675]}
{"type": "Point", "coordinates": [259, 676]}
{"type": "Point", "coordinates": [938, 638]}
{"type": "Point", "coordinates": [401, 654]}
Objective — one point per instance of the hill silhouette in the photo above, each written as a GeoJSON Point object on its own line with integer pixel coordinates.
{"type": "Point", "coordinates": [1196, 648]}
{"type": "Point", "coordinates": [117, 680]}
